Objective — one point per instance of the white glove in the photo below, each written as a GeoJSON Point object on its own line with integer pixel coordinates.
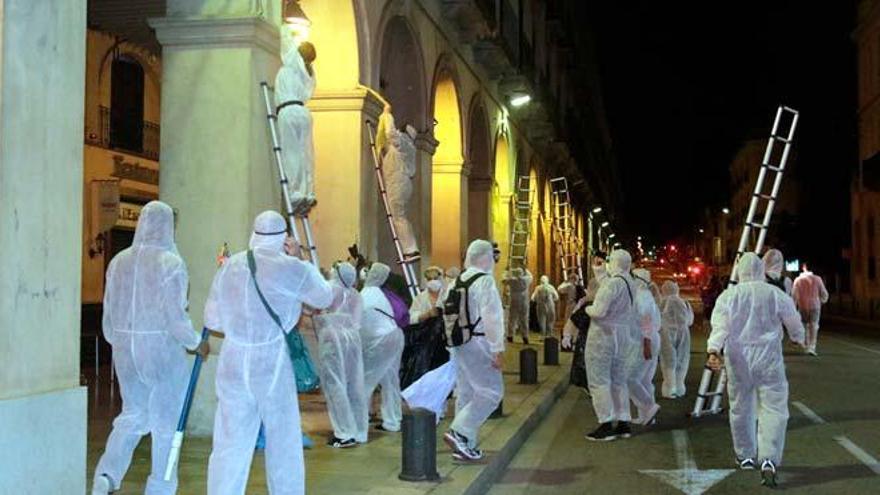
{"type": "Point", "coordinates": [566, 341]}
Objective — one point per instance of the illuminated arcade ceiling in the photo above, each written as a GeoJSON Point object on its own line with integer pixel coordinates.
{"type": "Point", "coordinates": [127, 19]}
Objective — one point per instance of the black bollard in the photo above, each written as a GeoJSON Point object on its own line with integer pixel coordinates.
{"type": "Point", "coordinates": [528, 366]}
{"type": "Point", "coordinates": [498, 412]}
{"type": "Point", "coordinates": [419, 447]}
{"type": "Point", "coordinates": [551, 351]}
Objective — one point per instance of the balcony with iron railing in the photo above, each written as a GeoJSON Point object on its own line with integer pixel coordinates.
{"type": "Point", "coordinates": [135, 137]}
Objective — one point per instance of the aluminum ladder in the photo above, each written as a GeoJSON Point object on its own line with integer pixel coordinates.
{"type": "Point", "coordinates": [563, 226]}
{"type": "Point", "coordinates": [520, 233]}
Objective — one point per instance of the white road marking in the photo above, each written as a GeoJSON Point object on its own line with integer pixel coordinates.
{"type": "Point", "coordinates": [857, 346]}
{"type": "Point", "coordinates": [857, 452]}
{"type": "Point", "coordinates": [815, 418]}
{"type": "Point", "coordinates": [687, 478]}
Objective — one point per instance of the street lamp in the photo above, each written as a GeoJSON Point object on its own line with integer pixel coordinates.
{"type": "Point", "coordinates": [726, 211]}
{"type": "Point", "coordinates": [597, 209]}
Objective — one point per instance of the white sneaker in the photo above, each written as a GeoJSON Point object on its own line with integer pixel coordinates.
{"type": "Point", "coordinates": [102, 485]}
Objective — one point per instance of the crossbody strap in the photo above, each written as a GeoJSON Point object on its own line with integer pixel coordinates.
{"type": "Point", "coordinates": [252, 266]}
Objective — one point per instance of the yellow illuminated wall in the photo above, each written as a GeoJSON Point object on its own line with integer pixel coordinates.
{"type": "Point", "coordinates": [448, 185]}
{"type": "Point", "coordinates": [547, 228]}
{"type": "Point", "coordinates": [501, 201]}
{"type": "Point", "coordinates": [534, 224]}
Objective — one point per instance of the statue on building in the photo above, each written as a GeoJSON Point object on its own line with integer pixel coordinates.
{"type": "Point", "coordinates": [294, 86]}
{"type": "Point", "coordinates": [398, 150]}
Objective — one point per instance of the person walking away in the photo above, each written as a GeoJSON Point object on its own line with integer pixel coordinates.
{"type": "Point", "coordinates": [545, 298]}
{"type": "Point", "coordinates": [518, 282]}
{"type": "Point", "coordinates": [809, 295]}
{"type": "Point", "coordinates": [643, 357]}
{"type": "Point", "coordinates": [747, 325]}
{"type": "Point", "coordinates": [774, 266]}
{"type": "Point", "coordinates": [676, 318]}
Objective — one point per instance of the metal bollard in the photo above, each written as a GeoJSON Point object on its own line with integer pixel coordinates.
{"type": "Point", "coordinates": [499, 411]}
{"type": "Point", "coordinates": [419, 447]}
{"type": "Point", "coordinates": [551, 351]}
{"type": "Point", "coordinates": [528, 366]}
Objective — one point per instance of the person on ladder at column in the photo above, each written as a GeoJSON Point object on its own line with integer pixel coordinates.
{"type": "Point", "coordinates": [643, 357]}
{"type": "Point", "coordinates": [255, 299]}
{"type": "Point", "coordinates": [747, 323]}
{"type": "Point", "coordinates": [383, 343]}
{"type": "Point", "coordinates": [146, 322]}
{"type": "Point", "coordinates": [676, 318]}
{"type": "Point", "coordinates": [479, 361]}
{"type": "Point", "coordinates": [398, 170]}
{"type": "Point", "coordinates": [774, 266]}
{"type": "Point", "coordinates": [612, 316]}
{"type": "Point", "coordinates": [341, 360]}
{"type": "Point", "coordinates": [518, 282]}
{"type": "Point", "coordinates": [294, 86]}
{"type": "Point", "coordinates": [810, 294]}
{"type": "Point", "coordinates": [545, 298]}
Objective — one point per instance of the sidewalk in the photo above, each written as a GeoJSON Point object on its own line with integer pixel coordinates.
{"type": "Point", "coordinates": [373, 468]}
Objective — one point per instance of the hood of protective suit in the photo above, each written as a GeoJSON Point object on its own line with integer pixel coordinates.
{"type": "Point", "coordinates": [479, 256]}
{"type": "Point", "coordinates": [155, 227]}
{"type": "Point", "coordinates": [378, 275]}
{"type": "Point", "coordinates": [669, 288]}
{"type": "Point", "coordinates": [344, 273]}
{"type": "Point", "coordinates": [643, 274]}
{"type": "Point", "coordinates": [619, 262]}
{"type": "Point", "coordinates": [750, 268]}
{"type": "Point", "coordinates": [545, 280]}
{"type": "Point", "coordinates": [453, 272]}
{"type": "Point", "coordinates": [270, 230]}
{"type": "Point", "coordinates": [774, 262]}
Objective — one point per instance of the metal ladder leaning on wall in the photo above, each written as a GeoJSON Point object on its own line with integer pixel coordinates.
{"type": "Point", "coordinates": [563, 226]}
{"type": "Point", "coordinates": [520, 233]}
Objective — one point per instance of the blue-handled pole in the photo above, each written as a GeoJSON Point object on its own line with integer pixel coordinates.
{"type": "Point", "coordinates": [174, 454]}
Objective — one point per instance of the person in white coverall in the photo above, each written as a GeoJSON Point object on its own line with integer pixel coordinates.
{"type": "Point", "coordinates": [518, 282]}
{"type": "Point", "coordinates": [676, 318]}
{"type": "Point", "coordinates": [341, 362]}
{"type": "Point", "coordinates": [612, 318]}
{"type": "Point", "coordinates": [479, 383]}
{"type": "Point", "coordinates": [774, 266]}
{"type": "Point", "coordinates": [643, 356]}
{"type": "Point", "coordinates": [255, 381]}
{"type": "Point", "coordinates": [568, 292]}
{"type": "Point", "coordinates": [545, 298]}
{"type": "Point", "coordinates": [809, 295]}
{"type": "Point", "coordinates": [424, 306]}
{"type": "Point", "coordinates": [398, 170]}
{"type": "Point", "coordinates": [146, 322]}
{"type": "Point", "coordinates": [294, 86]}
{"type": "Point", "coordinates": [747, 324]}
{"type": "Point", "coordinates": [383, 345]}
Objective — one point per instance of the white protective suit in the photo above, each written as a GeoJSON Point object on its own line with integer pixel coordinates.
{"type": "Point", "coordinates": [676, 319]}
{"type": "Point", "coordinates": [609, 339]}
{"type": "Point", "coordinates": [809, 295]}
{"type": "Point", "coordinates": [383, 345]}
{"type": "Point", "coordinates": [774, 265]}
{"type": "Point", "coordinates": [255, 381]}
{"type": "Point", "coordinates": [341, 363]}
{"type": "Point", "coordinates": [146, 322]}
{"type": "Point", "coordinates": [641, 382]}
{"type": "Point", "coordinates": [294, 83]}
{"type": "Point", "coordinates": [479, 385]}
{"type": "Point", "coordinates": [518, 282]}
{"type": "Point", "coordinates": [398, 170]}
{"type": "Point", "coordinates": [568, 292]}
{"type": "Point", "coordinates": [426, 302]}
{"type": "Point", "coordinates": [747, 324]}
{"type": "Point", "coordinates": [545, 298]}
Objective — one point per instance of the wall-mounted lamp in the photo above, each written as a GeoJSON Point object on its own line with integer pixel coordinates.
{"type": "Point", "coordinates": [520, 100]}
{"type": "Point", "coordinates": [294, 16]}
{"type": "Point", "coordinates": [597, 209]}
{"type": "Point", "coordinates": [605, 224]}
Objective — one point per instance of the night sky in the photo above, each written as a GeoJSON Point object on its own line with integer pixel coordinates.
{"type": "Point", "coordinates": [685, 83]}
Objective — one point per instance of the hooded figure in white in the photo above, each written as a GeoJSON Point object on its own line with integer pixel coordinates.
{"type": "Point", "coordinates": [145, 320]}
{"type": "Point", "coordinates": [568, 292]}
{"type": "Point", "coordinates": [612, 319]}
{"type": "Point", "coordinates": [479, 383]}
{"type": "Point", "coordinates": [809, 295]}
{"type": "Point", "coordinates": [774, 266]}
{"type": "Point", "coordinates": [398, 170]}
{"type": "Point", "coordinates": [341, 363]}
{"type": "Point", "coordinates": [383, 345]}
{"type": "Point", "coordinates": [294, 86]}
{"type": "Point", "coordinates": [676, 318]}
{"type": "Point", "coordinates": [545, 298]}
{"type": "Point", "coordinates": [518, 282]}
{"type": "Point", "coordinates": [255, 381]}
{"type": "Point", "coordinates": [747, 323]}
{"type": "Point", "coordinates": [642, 360]}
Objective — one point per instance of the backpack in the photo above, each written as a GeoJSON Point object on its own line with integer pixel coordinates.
{"type": "Point", "coordinates": [779, 283]}
{"type": "Point", "coordinates": [457, 313]}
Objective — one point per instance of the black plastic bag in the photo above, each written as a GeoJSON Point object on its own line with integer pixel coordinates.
{"type": "Point", "coordinates": [424, 350]}
{"type": "Point", "coordinates": [578, 375]}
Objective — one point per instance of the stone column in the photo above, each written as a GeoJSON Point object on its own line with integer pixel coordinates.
{"type": "Point", "coordinates": [42, 88]}
{"type": "Point", "coordinates": [449, 197]}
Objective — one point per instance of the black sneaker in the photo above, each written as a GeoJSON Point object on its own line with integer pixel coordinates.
{"type": "Point", "coordinates": [768, 473]}
{"type": "Point", "coordinates": [604, 433]}
{"type": "Point", "coordinates": [747, 464]}
{"type": "Point", "coordinates": [623, 429]}
{"type": "Point", "coordinates": [338, 443]}
{"type": "Point", "coordinates": [456, 441]}
{"type": "Point", "coordinates": [468, 455]}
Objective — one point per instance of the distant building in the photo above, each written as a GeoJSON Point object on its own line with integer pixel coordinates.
{"type": "Point", "coordinates": [865, 198]}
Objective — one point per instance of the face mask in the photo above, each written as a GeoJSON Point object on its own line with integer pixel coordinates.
{"type": "Point", "coordinates": [363, 274]}
{"type": "Point", "coordinates": [434, 285]}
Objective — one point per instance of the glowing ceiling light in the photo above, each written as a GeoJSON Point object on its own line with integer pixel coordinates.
{"type": "Point", "coordinates": [597, 209]}
{"type": "Point", "coordinates": [518, 101]}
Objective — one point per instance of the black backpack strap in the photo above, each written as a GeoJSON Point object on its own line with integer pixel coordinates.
{"type": "Point", "coordinates": [466, 285]}
{"type": "Point", "coordinates": [628, 290]}
{"type": "Point", "coordinates": [384, 313]}
{"type": "Point", "coordinates": [252, 266]}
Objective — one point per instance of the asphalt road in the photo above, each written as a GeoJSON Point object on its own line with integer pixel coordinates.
{"type": "Point", "coordinates": [833, 440]}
